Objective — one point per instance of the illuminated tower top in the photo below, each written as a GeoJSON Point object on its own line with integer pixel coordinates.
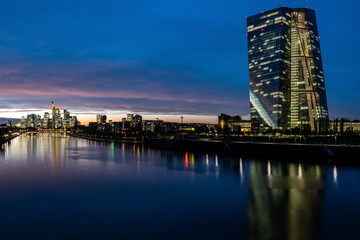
{"type": "Point", "coordinates": [53, 106]}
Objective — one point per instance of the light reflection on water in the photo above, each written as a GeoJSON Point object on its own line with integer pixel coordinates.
{"type": "Point", "coordinates": [133, 192]}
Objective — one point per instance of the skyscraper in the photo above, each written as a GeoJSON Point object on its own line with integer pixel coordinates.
{"type": "Point", "coordinates": [46, 121]}
{"type": "Point", "coordinates": [287, 87]}
{"type": "Point", "coordinates": [66, 120]}
{"type": "Point", "coordinates": [100, 119]}
{"type": "Point", "coordinates": [53, 115]}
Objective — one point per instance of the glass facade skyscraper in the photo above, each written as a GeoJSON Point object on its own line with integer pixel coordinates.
{"type": "Point", "coordinates": [287, 88]}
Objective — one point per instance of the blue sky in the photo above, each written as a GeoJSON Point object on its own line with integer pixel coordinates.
{"type": "Point", "coordinates": [157, 57]}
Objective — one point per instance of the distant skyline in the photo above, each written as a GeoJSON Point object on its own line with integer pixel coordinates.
{"type": "Point", "coordinates": [157, 58]}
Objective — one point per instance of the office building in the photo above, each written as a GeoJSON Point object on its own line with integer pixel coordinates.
{"type": "Point", "coordinates": [101, 119]}
{"type": "Point", "coordinates": [73, 121]}
{"type": "Point", "coordinates": [233, 123]}
{"type": "Point", "coordinates": [23, 122]}
{"type": "Point", "coordinates": [137, 118]}
{"type": "Point", "coordinates": [53, 115]}
{"type": "Point", "coordinates": [46, 121]}
{"type": "Point", "coordinates": [287, 87]}
{"type": "Point", "coordinates": [58, 119]}
{"type": "Point", "coordinates": [129, 117]}
{"type": "Point", "coordinates": [66, 120]}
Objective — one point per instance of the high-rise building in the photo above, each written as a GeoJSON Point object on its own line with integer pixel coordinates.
{"type": "Point", "coordinates": [23, 122]}
{"type": "Point", "coordinates": [53, 115]}
{"type": "Point", "coordinates": [66, 120]}
{"type": "Point", "coordinates": [38, 122]}
{"type": "Point", "coordinates": [73, 121]}
{"type": "Point", "coordinates": [137, 118]}
{"type": "Point", "coordinates": [287, 87]}
{"type": "Point", "coordinates": [98, 118]}
{"type": "Point", "coordinates": [101, 119]}
{"type": "Point", "coordinates": [58, 119]}
{"type": "Point", "coordinates": [129, 117]}
{"type": "Point", "coordinates": [46, 120]}
{"type": "Point", "coordinates": [31, 120]}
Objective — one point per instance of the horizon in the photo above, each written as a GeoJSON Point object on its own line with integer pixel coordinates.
{"type": "Point", "coordinates": [159, 60]}
{"type": "Point", "coordinates": [86, 118]}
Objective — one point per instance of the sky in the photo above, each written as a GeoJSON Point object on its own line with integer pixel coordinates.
{"type": "Point", "coordinates": [157, 58]}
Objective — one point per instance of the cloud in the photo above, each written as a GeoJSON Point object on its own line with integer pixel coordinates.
{"type": "Point", "coordinates": [115, 86]}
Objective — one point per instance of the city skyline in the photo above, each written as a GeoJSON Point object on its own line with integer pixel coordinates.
{"type": "Point", "coordinates": [154, 61]}
{"type": "Point", "coordinates": [53, 111]}
{"type": "Point", "coordinates": [116, 117]}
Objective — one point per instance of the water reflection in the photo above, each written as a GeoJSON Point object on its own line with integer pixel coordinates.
{"type": "Point", "coordinates": [285, 200]}
{"type": "Point", "coordinates": [241, 170]}
{"type": "Point", "coordinates": [208, 196]}
{"type": "Point", "coordinates": [335, 174]}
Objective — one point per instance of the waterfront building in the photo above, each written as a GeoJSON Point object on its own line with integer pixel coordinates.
{"type": "Point", "coordinates": [286, 78]}
{"type": "Point", "coordinates": [53, 111]}
{"type": "Point", "coordinates": [137, 118]}
{"type": "Point", "coordinates": [101, 119]}
{"type": "Point", "coordinates": [30, 120]}
{"type": "Point", "coordinates": [152, 125]}
{"type": "Point", "coordinates": [23, 122]}
{"type": "Point", "coordinates": [129, 117]}
{"type": "Point", "coordinates": [233, 123]}
{"type": "Point", "coordinates": [58, 119]}
{"type": "Point", "coordinates": [9, 122]}
{"type": "Point", "coordinates": [100, 122]}
{"type": "Point", "coordinates": [344, 125]}
{"type": "Point", "coordinates": [38, 122]}
{"type": "Point", "coordinates": [123, 124]}
{"type": "Point", "coordinates": [73, 121]}
{"type": "Point", "coordinates": [132, 123]}
{"type": "Point", "coordinates": [46, 121]}
{"type": "Point", "coordinates": [66, 121]}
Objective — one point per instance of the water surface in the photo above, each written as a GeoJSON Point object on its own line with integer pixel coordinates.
{"type": "Point", "coordinates": [57, 187]}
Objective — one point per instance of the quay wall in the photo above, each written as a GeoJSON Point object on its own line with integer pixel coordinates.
{"type": "Point", "coordinates": [345, 154]}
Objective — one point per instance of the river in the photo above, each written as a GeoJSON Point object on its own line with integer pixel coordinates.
{"type": "Point", "coordinates": [59, 187]}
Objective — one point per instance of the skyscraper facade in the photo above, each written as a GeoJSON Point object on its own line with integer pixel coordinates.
{"type": "Point", "coordinates": [287, 87]}
{"type": "Point", "coordinates": [53, 114]}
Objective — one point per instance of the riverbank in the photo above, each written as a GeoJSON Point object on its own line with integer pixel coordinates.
{"type": "Point", "coordinates": [319, 153]}
{"type": "Point", "coordinates": [103, 139]}
{"type": "Point", "coordinates": [8, 139]}
{"type": "Point", "coordinates": [343, 154]}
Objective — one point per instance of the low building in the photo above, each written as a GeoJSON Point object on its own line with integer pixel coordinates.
{"type": "Point", "coordinates": [233, 123]}
{"type": "Point", "coordinates": [152, 125]}
{"type": "Point", "coordinates": [344, 125]}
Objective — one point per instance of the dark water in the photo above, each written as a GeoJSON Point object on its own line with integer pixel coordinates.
{"type": "Point", "coordinates": [54, 187]}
